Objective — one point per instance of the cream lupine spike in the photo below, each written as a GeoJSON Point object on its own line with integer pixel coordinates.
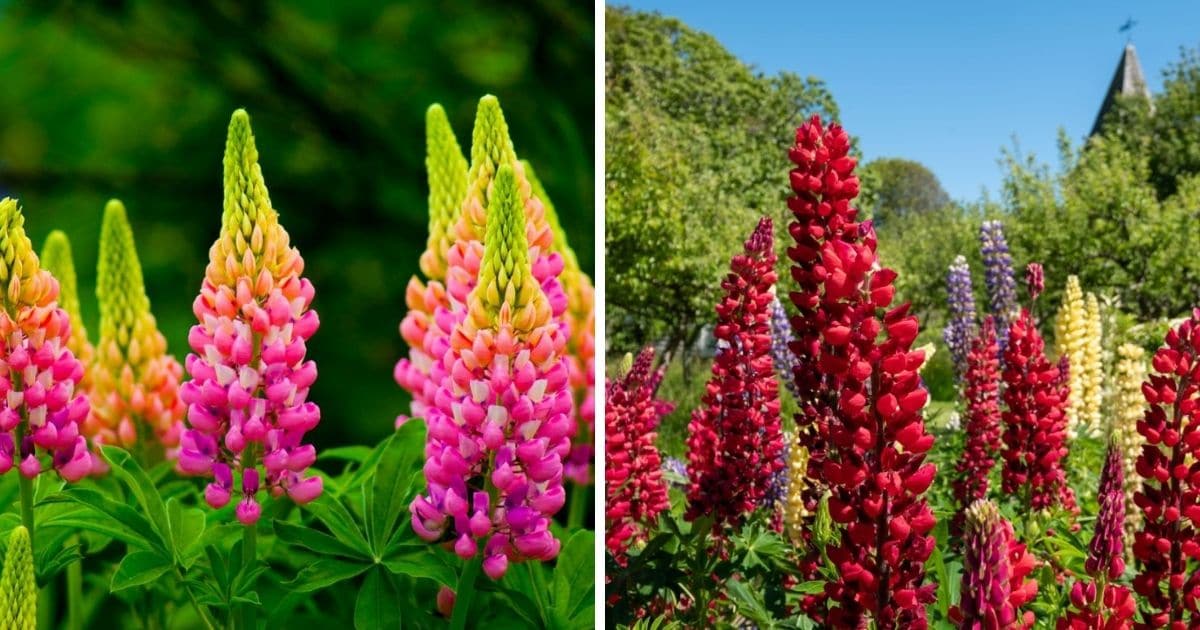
{"type": "Point", "coordinates": [1128, 408]}
{"type": "Point", "coordinates": [446, 170]}
{"type": "Point", "coordinates": [135, 383]}
{"type": "Point", "coordinates": [18, 590]}
{"type": "Point", "coordinates": [57, 259]}
{"type": "Point", "coordinates": [795, 515]}
{"type": "Point", "coordinates": [580, 318]}
{"type": "Point", "coordinates": [1070, 340]}
{"type": "Point", "coordinates": [1092, 368]}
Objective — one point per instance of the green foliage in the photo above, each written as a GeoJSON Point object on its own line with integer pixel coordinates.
{"type": "Point", "coordinates": [695, 150]}
{"type": "Point", "coordinates": [125, 101]}
{"type": "Point", "coordinates": [901, 188]}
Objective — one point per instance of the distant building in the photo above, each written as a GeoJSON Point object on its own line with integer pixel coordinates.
{"type": "Point", "coordinates": [1128, 80]}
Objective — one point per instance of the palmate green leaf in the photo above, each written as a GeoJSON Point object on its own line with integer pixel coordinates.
{"type": "Point", "coordinates": [378, 604]}
{"type": "Point", "coordinates": [108, 517]}
{"type": "Point", "coordinates": [515, 590]}
{"type": "Point", "coordinates": [188, 523]}
{"type": "Point", "coordinates": [356, 454]}
{"type": "Point", "coordinates": [138, 568]}
{"type": "Point", "coordinates": [749, 604]}
{"type": "Point", "coordinates": [402, 455]}
{"type": "Point", "coordinates": [422, 561]}
{"type": "Point", "coordinates": [330, 511]}
{"type": "Point", "coordinates": [574, 585]}
{"type": "Point", "coordinates": [128, 470]}
{"type": "Point", "coordinates": [314, 540]}
{"type": "Point", "coordinates": [325, 572]}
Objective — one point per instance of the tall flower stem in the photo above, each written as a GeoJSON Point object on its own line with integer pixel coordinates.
{"type": "Point", "coordinates": [578, 509]}
{"type": "Point", "coordinates": [249, 548]}
{"type": "Point", "coordinates": [465, 593]}
{"type": "Point", "coordinates": [26, 489]}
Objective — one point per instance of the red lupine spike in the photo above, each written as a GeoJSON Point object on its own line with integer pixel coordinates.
{"type": "Point", "coordinates": [736, 439]}
{"type": "Point", "coordinates": [636, 491]}
{"type": "Point", "coordinates": [1167, 545]}
{"type": "Point", "coordinates": [1035, 424]}
{"type": "Point", "coordinates": [995, 570]}
{"type": "Point", "coordinates": [983, 421]}
{"type": "Point", "coordinates": [860, 398]}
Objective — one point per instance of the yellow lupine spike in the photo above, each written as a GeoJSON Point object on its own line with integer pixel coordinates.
{"type": "Point", "coordinates": [795, 516]}
{"type": "Point", "coordinates": [57, 259]}
{"type": "Point", "coordinates": [446, 169]}
{"type": "Point", "coordinates": [1070, 340]}
{"type": "Point", "coordinates": [133, 380]}
{"type": "Point", "coordinates": [1128, 408]}
{"type": "Point", "coordinates": [18, 590]}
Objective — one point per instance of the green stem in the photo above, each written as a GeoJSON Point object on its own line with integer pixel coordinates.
{"type": "Point", "coordinates": [465, 593]}
{"type": "Point", "coordinates": [26, 486]}
{"type": "Point", "coordinates": [579, 495]}
{"type": "Point", "coordinates": [75, 591]}
{"type": "Point", "coordinates": [249, 546]}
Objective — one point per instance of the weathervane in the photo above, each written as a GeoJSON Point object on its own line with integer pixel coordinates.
{"type": "Point", "coordinates": [1127, 28]}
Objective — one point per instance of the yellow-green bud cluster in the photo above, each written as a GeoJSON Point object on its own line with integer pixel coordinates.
{"type": "Point", "coordinates": [18, 591]}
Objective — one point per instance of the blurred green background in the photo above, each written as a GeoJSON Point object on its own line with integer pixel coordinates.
{"type": "Point", "coordinates": [131, 99]}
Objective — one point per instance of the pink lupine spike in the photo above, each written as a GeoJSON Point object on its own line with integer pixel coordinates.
{"type": "Point", "coordinates": [496, 431]}
{"type": "Point", "coordinates": [38, 373]}
{"type": "Point", "coordinates": [244, 413]}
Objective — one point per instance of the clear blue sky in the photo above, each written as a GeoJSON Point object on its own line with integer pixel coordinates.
{"type": "Point", "coordinates": [950, 83]}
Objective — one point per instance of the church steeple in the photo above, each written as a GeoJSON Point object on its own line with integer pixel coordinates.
{"type": "Point", "coordinates": [1129, 80]}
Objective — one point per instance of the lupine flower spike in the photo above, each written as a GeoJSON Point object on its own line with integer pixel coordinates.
{"type": "Point", "coordinates": [1035, 280]}
{"type": "Point", "coordinates": [135, 383]}
{"type": "Point", "coordinates": [996, 566]}
{"type": "Point", "coordinates": [580, 319]}
{"type": "Point", "coordinates": [961, 328]}
{"type": "Point", "coordinates": [998, 276]}
{"type": "Point", "coordinates": [248, 408]}
{"type": "Point", "coordinates": [983, 422]}
{"type": "Point", "coordinates": [868, 395]}
{"type": "Point", "coordinates": [1168, 544]}
{"type": "Point", "coordinates": [38, 372]}
{"type": "Point", "coordinates": [18, 589]}
{"type": "Point", "coordinates": [1099, 602]}
{"type": "Point", "coordinates": [735, 438]}
{"type": "Point", "coordinates": [1129, 405]}
{"type": "Point", "coordinates": [56, 258]}
{"type": "Point", "coordinates": [1035, 425]}
{"type": "Point", "coordinates": [499, 433]}
{"type": "Point", "coordinates": [446, 169]}
{"type": "Point", "coordinates": [1077, 336]}
{"type": "Point", "coordinates": [636, 491]}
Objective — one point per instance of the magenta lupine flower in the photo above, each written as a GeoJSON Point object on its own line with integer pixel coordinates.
{"type": "Point", "coordinates": [501, 419]}
{"type": "Point", "coordinates": [996, 566]}
{"type": "Point", "coordinates": [247, 397]}
{"type": "Point", "coordinates": [1035, 279]}
{"type": "Point", "coordinates": [38, 373]}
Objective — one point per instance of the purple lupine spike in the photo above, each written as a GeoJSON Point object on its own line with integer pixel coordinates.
{"type": "Point", "coordinates": [1106, 553]}
{"type": "Point", "coordinates": [783, 357]}
{"type": "Point", "coordinates": [998, 275]}
{"type": "Point", "coordinates": [961, 328]}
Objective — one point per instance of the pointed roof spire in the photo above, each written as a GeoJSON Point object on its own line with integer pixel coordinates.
{"type": "Point", "coordinates": [1128, 80]}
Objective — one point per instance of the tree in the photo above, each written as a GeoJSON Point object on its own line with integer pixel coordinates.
{"type": "Point", "coordinates": [903, 188]}
{"type": "Point", "coordinates": [694, 144]}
